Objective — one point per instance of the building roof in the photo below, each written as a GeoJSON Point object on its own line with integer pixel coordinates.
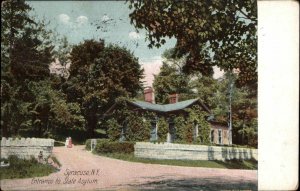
{"type": "Point", "coordinates": [161, 108]}
{"type": "Point", "coordinates": [167, 107]}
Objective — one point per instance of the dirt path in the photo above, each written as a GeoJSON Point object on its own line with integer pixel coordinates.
{"type": "Point", "coordinates": [91, 172]}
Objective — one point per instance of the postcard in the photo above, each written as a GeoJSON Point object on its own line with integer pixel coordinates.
{"type": "Point", "coordinates": [142, 95]}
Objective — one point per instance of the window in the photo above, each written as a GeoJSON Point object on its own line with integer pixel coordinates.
{"type": "Point", "coordinates": [171, 133]}
{"type": "Point", "coordinates": [220, 136]}
{"type": "Point", "coordinates": [212, 137]}
{"type": "Point", "coordinates": [153, 136]}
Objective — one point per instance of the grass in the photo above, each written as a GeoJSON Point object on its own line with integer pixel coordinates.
{"type": "Point", "coordinates": [230, 164]}
{"type": "Point", "coordinates": [21, 168]}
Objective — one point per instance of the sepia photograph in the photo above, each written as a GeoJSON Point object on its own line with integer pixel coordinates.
{"type": "Point", "coordinates": [129, 95]}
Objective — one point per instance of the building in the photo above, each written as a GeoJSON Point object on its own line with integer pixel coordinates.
{"type": "Point", "coordinates": [218, 131]}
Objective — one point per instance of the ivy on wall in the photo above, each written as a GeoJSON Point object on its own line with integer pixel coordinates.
{"type": "Point", "coordinates": [180, 123]}
{"type": "Point", "coordinates": [196, 115]}
{"type": "Point", "coordinates": [162, 129]}
{"type": "Point", "coordinates": [113, 129]}
{"type": "Point", "coordinates": [137, 126]}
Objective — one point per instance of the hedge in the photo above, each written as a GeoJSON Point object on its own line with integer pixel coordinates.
{"type": "Point", "coordinates": [106, 146]}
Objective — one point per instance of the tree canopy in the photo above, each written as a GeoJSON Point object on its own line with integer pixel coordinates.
{"type": "Point", "coordinates": [215, 94]}
{"type": "Point", "coordinates": [98, 75]}
{"type": "Point", "coordinates": [209, 33]}
{"type": "Point", "coordinates": [28, 98]}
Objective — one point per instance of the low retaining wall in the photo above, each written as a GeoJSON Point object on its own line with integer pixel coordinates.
{"type": "Point", "coordinates": [191, 152]}
{"type": "Point", "coordinates": [25, 148]}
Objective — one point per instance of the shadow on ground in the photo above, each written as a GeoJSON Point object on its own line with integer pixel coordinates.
{"type": "Point", "coordinates": [212, 184]}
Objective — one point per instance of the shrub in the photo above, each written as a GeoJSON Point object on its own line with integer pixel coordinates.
{"type": "Point", "coordinates": [114, 147]}
{"type": "Point", "coordinates": [88, 143]}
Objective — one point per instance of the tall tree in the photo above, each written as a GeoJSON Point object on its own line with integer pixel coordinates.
{"type": "Point", "coordinates": [209, 33]}
{"type": "Point", "coordinates": [26, 53]}
{"type": "Point", "coordinates": [98, 75]}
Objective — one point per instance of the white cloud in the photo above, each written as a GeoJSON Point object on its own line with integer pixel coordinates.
{"type": "Point", "coordinates": [134, 35]}
{"type": "Point", "coordinates": [81, 20]}
{"type": "Point", "coordinates": [64, 18]}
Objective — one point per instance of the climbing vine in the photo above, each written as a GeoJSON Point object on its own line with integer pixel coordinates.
{"type": "Point", "coordinates": [180, 124]}
{"type": "Point", "coordinates": [113, 129]}
{"type": "Point", "coordinates": [163, 128]}
{"type": "Point", "coordinates": [136, 126]}
{"type": "Point", "coordinates": [196, 115]}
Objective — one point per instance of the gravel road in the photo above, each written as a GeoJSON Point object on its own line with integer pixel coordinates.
{"type": "Point", "coordinates": [82, 170]}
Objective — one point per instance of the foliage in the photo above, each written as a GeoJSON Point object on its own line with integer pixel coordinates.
{"type": "Point", "coordinates": [93, 82]}
{"type": "Point", "coordinates": [114, 147]}
{"type": "Point", "coordinates": [136, 126]}
{"type": "Point", "coordinates": [197, 116]}
{"type": "Point", "coordinates": [26, 52]}
{"type": "Point", "coordinates": [113, 129]}
{"type": "Point", "coordinates": [215, 94]}
{"type": "Point", "coordinates": [168, 81]}
{"type": "Point", "coordinates": [162, 129]}
{"type": "Point", "coordinates": [180, 125]}
{"type": "Point", "coordinates": [208, 33]}
{"type": "Point", "coordinates": [21, 168]}
{"type": "Point", "coordinates": [26, 45]}
{"type": "Point", "coordinates": [48, 109]}
{"type": "Point", "coordinates": [188, 131]}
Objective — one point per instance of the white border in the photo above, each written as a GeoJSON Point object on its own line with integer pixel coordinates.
{"type": "Point", "coordinates": [278, 99]}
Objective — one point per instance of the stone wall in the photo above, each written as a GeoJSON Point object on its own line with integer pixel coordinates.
{"type": "Point", "coordinates": [25, 148]}
{"type": "Point", "coordinates": [191, 152]}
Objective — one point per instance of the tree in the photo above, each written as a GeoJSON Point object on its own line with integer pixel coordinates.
{"type": "Point", "coordinates": [27, 47]}
{"type": "Point", "coordinates": [208, 33]}
{"type": "Point", "coordinates": [98, 75]}
{"type": "Point", "coordinates": [26, 53]}
{"type": "Point", "coordinates": [168, 81]}
{"type": "Point", "coordinates": [243, 109]}
{"type": "Point", "coordinates": [215, 94]}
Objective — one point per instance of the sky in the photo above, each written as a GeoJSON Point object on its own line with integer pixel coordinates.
{"type": "Point", "coordinates": [108, 20]}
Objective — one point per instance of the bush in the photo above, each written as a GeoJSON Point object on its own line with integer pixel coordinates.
{"type": "Point", "coordinates": [114, 147]}
{"type": "Point", "coordinates": [88, 143]}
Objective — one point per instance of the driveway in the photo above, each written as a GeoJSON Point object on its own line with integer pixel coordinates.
{"type": "Point", "coordinates": [82, 170]}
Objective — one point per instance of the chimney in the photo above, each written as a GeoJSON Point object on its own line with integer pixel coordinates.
{"type": "Point", "coordinates": [173, 98]}
{"type": "Point", "coordinates": [149, 95]}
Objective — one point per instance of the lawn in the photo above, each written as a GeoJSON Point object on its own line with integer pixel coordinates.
{"type": "Point", "coordinates": [21, 168]}
{"type": "Point", "coordinates": [230, 164]}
